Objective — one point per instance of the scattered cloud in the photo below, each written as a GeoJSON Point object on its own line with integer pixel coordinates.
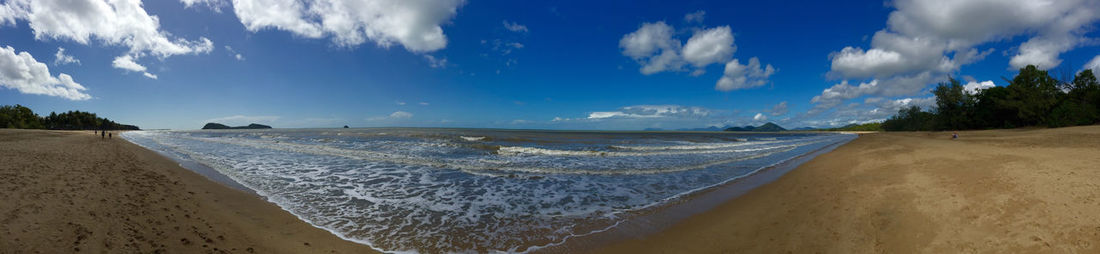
{"type": "Point", "coordinates": [60, 58]}
{"type": "Point", "coordinates": [760, 117]}
{"type": "Point", "coordinates": [234, 53]}
{"type": "Point", "coordinates": [215, 5]}
{"type": "Point", "coordinates": [656, 49]}
{"type": "Point", "coordinates": [695, 17]}
{"type": "Point", "coordinates": [237, 120]}
{"type": "Point", "coordinates": [123, 23]}
{"type": "Point", "coordinates": [415, 25]}
{"type": "Point", "coordinates": [437, 63]}
{"type": "Point", "coordinates": [738, 76]}
{"type": "Point", "coordinates": [401, 115]}
{"type": "Point", "coordinates": [515, 27]}
{"type": "Point", "coordinates": [653, 111]}
{"type": "Point", "coordinates": [973, 87]}
{"type": "Point", "coordinates": [402, 103]}
{"type": "Point", "coordinates": [126, 62]}
{"type": "Point", "coordinates": [20, 71]}
{"type": "Point", "coordinates": [779, 109]}
{"type": "Point", "coordinates": [423, 103]}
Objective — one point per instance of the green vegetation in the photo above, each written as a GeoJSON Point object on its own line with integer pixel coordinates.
{"type": "Point", "coordinates": [1032, 98]}
{"type": "Point", "coordinates": [20, 117]}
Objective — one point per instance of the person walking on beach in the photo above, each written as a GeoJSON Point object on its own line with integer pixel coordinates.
{"type": "Point", "coordinates": [102, 135]}
{"type": "Point", "coordinates": [109, 135]}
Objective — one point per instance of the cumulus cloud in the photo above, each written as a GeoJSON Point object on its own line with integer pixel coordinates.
{"type": "Point", "coordinates": [896, 86]}
{"type": "Point", "coordinates": [416, 25]}
{"type": "Point", "coordinates": [126, 62]}
{"type": "Point", "coordinates": [709, 46]}
{"type": "Point", "coordinates": [234, 53]}
{"type": "Point", "coordinates": [121, 22]}
{"type": "Point", "coordinates": [973, 87]}
{"type": "Point", "coordinates": [242, 119]}
{"type": "Point", "coordinates": [653, 111]}
{"type": "Point", "coordinates": [215, 5]}
{"type": "Point", "coordinates": [60, 58]}
{"type": "Point", "coordinates": [20, 71]}
{"type": "Point", "coordinates": [656, 49]}
{"type": "Point", "coordinates": [941, 35]}
{"type": "Point", "coordinates": [738, 76]}
{"type": "Point", "coordinates": [515, 27]}
{"type": "Point", "coordinates": [695, 17]}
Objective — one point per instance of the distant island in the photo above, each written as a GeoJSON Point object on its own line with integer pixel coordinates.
{"type": "Point", "coordinates": [768, 127]}
{"type": "Point", "coordinates": [218, 126]}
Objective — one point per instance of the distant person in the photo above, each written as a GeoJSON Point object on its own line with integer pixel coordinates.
{"type": "Point", "coordinates": [109, 135]}
{"type": "Point", "coordinates": [102, 135]}
{"type": "Point", "coordinates": [955, 135]}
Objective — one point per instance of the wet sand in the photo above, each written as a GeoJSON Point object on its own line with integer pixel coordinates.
{"type": "Point", "coordinates": [1000, 191]}
{"type": "Point", "coordinates": [70, 191]}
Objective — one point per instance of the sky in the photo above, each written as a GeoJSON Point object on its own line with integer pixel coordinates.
{"type": "Point", "coordinates": [607, 65]}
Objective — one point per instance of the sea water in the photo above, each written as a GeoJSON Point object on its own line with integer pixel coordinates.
{"type": "Point", "coordinates": [475, 190]}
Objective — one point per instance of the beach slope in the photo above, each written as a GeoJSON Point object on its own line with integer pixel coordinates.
{"type": "Point", "coordinates": [70, 191]}
{"type": "Point", "coordinates": [1000, 191]}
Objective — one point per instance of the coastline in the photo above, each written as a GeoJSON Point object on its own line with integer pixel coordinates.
{"type": "Point", "coordinates": [70, 191]}
{"type": "Point", "coordinates": [1026, 190]}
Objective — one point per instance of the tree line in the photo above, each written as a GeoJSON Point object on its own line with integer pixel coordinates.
{"type": "Point", "coordinates": [20, 117]}
{"type": "Point", "coordinates": [1032, 98]}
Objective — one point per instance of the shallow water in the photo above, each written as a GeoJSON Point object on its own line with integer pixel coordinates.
{"type": "Point", "coordinates": [453, 190]}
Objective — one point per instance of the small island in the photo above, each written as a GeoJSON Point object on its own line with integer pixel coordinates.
{"type": "Point", "coordinates": [218, 126]}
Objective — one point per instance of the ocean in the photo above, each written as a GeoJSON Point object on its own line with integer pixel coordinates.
{"type": "Point", "coordinates": [476, 190]}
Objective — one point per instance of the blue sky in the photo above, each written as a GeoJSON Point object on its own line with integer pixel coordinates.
{"type": "Point", "coordinates": [522, 64]}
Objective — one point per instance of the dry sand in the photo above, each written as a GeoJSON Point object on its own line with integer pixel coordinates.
{"type": "Point", "coordinates": [63, 192]}
{"type": "Point", "coordinates": [1002, 191]}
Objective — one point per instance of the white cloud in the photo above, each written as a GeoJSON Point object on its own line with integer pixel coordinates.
{"type": "Point", "coordinates": [424, 103]}
{"type": "Point", "coordinates": [738, 76]}
{"type": "Point", "coordinates": [779, 109]}
{"type": "Point", "coordinates": [118, 22]}
{"type": "Point", "coordinates": [402, 103]}
{"type": "Point", "coordinates": [709, 46]}
{"type": "Point", "coordinates": [652, 46]}
{"type": "Point", "coordinates": [401, 115]}
{"type": "Point", "coordinates": [1094, 65]}
{"type": "Point", "coordinates": [215, 5]}
{"type": "Point", "coordinates": [922, 34]}
{"type": "Point", "coordinates": [234, 53]}
{"type": "Point", "coordinates": [656, 50]}
{"type": "Point", "coordinates": [759, 117]}
{"type": "Point", "coordinates": [239, 57]}
{"type": "Point", "coordinates": [515, 27]}
{"type": "Point", "coordinates": [415, 25]}
{"type": "Point", "coordinates": [436, 62]}
{"type": "Point", "coordinates": [236, 120]}
{"type": "Point", "coordinates": [895, 86]}
{"type": "Point", "coordinates": [973, 86]}
{"type": "Point", "coordinates": [20, 71]}
{"type": "Point", "coordinates": [60, 58]}
{"type": "Point", "coordinates": [653, 111]}
{"type": "Point", "coordinates": [695, 17]}
{"type": "Point", "coordinates": [126, 62]}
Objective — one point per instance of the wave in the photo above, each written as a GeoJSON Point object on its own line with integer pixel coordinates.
{"type": "Point", "coordinates": [502, 166]}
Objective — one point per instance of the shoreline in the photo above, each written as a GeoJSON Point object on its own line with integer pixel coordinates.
{"type": "Point", "coordinates": [116, 196]}
{"type": "Point", "coordinates": [1022, 190]}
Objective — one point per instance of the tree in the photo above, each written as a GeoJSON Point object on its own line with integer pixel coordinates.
{"type": "Point", "coordinates": [992, 110]}
{"type": "Point", "coordinates": [910, 119]}
{"type": "Point", "coordinates": [954, 107]}
{"type": "Point", "coordinates": [19, 117]}
{"type": "Point", "coordinates": [1078, 107]}
{"type": "Point", "coordinates": [1033, 94]}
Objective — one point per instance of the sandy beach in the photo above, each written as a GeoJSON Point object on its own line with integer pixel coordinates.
{"type": "Point", "coordinates": [999, 191]}
{"type": "Point", "coordinates": [69, 191]}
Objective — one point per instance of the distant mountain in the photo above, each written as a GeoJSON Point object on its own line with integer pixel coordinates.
{"type": "Point", "coordinates": [768, 127]}
{"type": "Point", "coordinates": [711, 128]}
{"type": "Point", "coordinates": [218, 126]}
{"type": "Point", "coordinates": [804, 129]}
